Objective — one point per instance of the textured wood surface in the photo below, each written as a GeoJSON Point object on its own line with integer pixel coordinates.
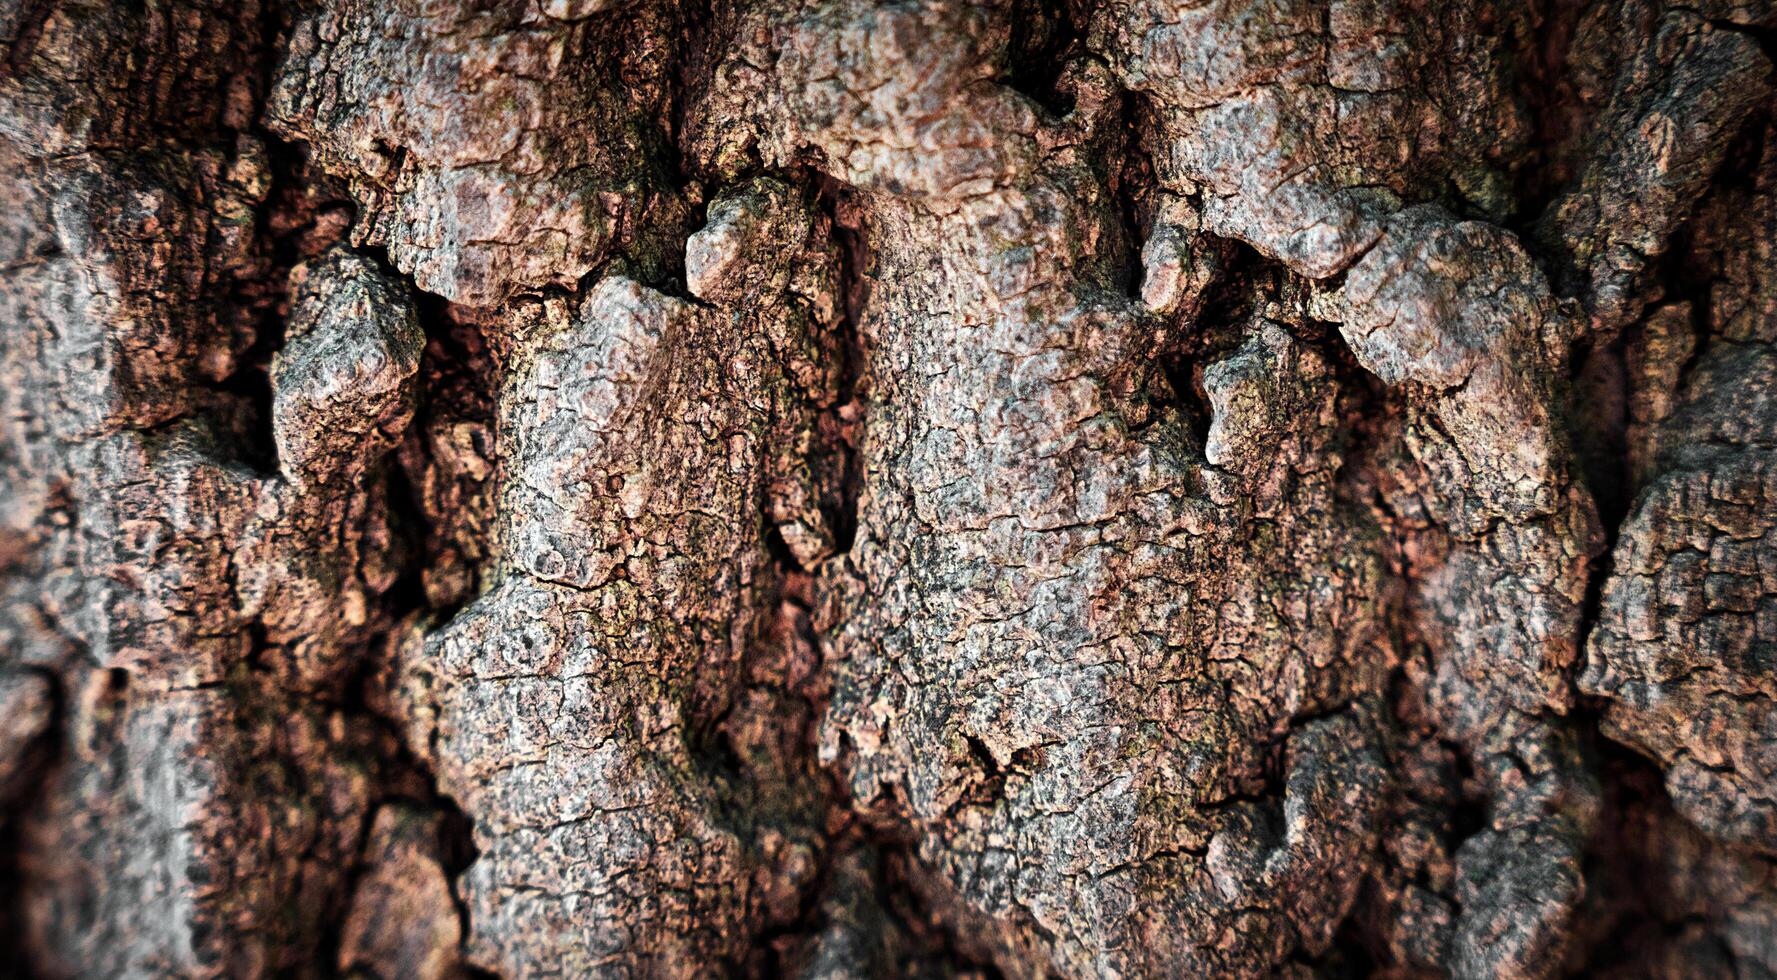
{"type": "Point", "coordinates": [823, 488]}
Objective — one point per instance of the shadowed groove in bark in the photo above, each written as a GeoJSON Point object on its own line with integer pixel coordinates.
{"type": "Point", "coordinates": [29, 774]}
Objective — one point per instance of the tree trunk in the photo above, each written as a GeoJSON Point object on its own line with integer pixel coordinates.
{"type": "Point", "coordinates": [1123, 488]}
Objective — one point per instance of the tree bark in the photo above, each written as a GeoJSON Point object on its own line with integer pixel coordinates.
{"type": "Point", "coordinates": [1123, 488]}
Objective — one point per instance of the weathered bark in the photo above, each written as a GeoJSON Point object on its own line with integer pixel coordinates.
{"type": "Point", "coordinates": [833, 488]}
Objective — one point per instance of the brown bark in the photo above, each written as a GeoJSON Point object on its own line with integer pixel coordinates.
{"type": "Point", "coordinates": [832, 488]}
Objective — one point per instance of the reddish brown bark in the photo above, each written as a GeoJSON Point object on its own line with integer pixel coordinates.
{"type": "Point", "coordinates": [1134, 488]}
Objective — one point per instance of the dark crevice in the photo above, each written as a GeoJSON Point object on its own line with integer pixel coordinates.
{"type": "Point", "coordinates": [251, 400]}
{"type": "Point", "coordinates": [286, 220]}
{"type": "Point", "coordinates": [401, 775]}
{"type": "Point", "coordinates": [303, 215]}
{"type": "Point", "coordinates": [403, 778]}
{"type": "Point", "coordinates": [454, 381]}
{"type": "Point", "coordinates": [1628, 915]}
{"type": "Point", "coordinates": [693, 66]}
{"type": "Point", "coordinates": [1132, 189]}
{"type": "Point", "coordinates": [940, 938]}
{"type": "Point", "coordinates": [866, 901]}
{"type": "Point", "coordinates": [1046, 35]}
{"type": "Point", "coordinates": [292, 232]}
{"type": "Point", "coordinates": [333, 920]}
{"type": "Point", "coordinates": [988, 786]}
{"type": "Point", "coordinates": [1546, 90]}
{"type": "Point", "coordinates": [1217, 330]}
{"type": "Point", "coordinates": [804, 799]}
{"type": "Point", "coordinates": [28, 783]}
{"type": "Point", "coordinates": [444, 511]}
{"type": "Point", "coordinates": [1689, 270]}
{"type": "Point", "coordinates": [841, 426]}
{"type": "Point", "coordinates": [456, 847]}
{"type": "Point", "coordinates": [1598, 418]}
{"type": "Point", "coordinates": [1366, 410]}
{"type": "Point", "coordinates": [1598, 427]}
{"type": "Point", "coordinates": [777, 948]}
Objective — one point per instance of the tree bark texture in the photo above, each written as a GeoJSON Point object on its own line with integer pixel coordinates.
{"type": "Point", "coordinates": [833, 488]}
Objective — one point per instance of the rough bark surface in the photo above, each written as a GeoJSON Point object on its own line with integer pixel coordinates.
{"type": "Point", "coordinates": [828, 488]}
